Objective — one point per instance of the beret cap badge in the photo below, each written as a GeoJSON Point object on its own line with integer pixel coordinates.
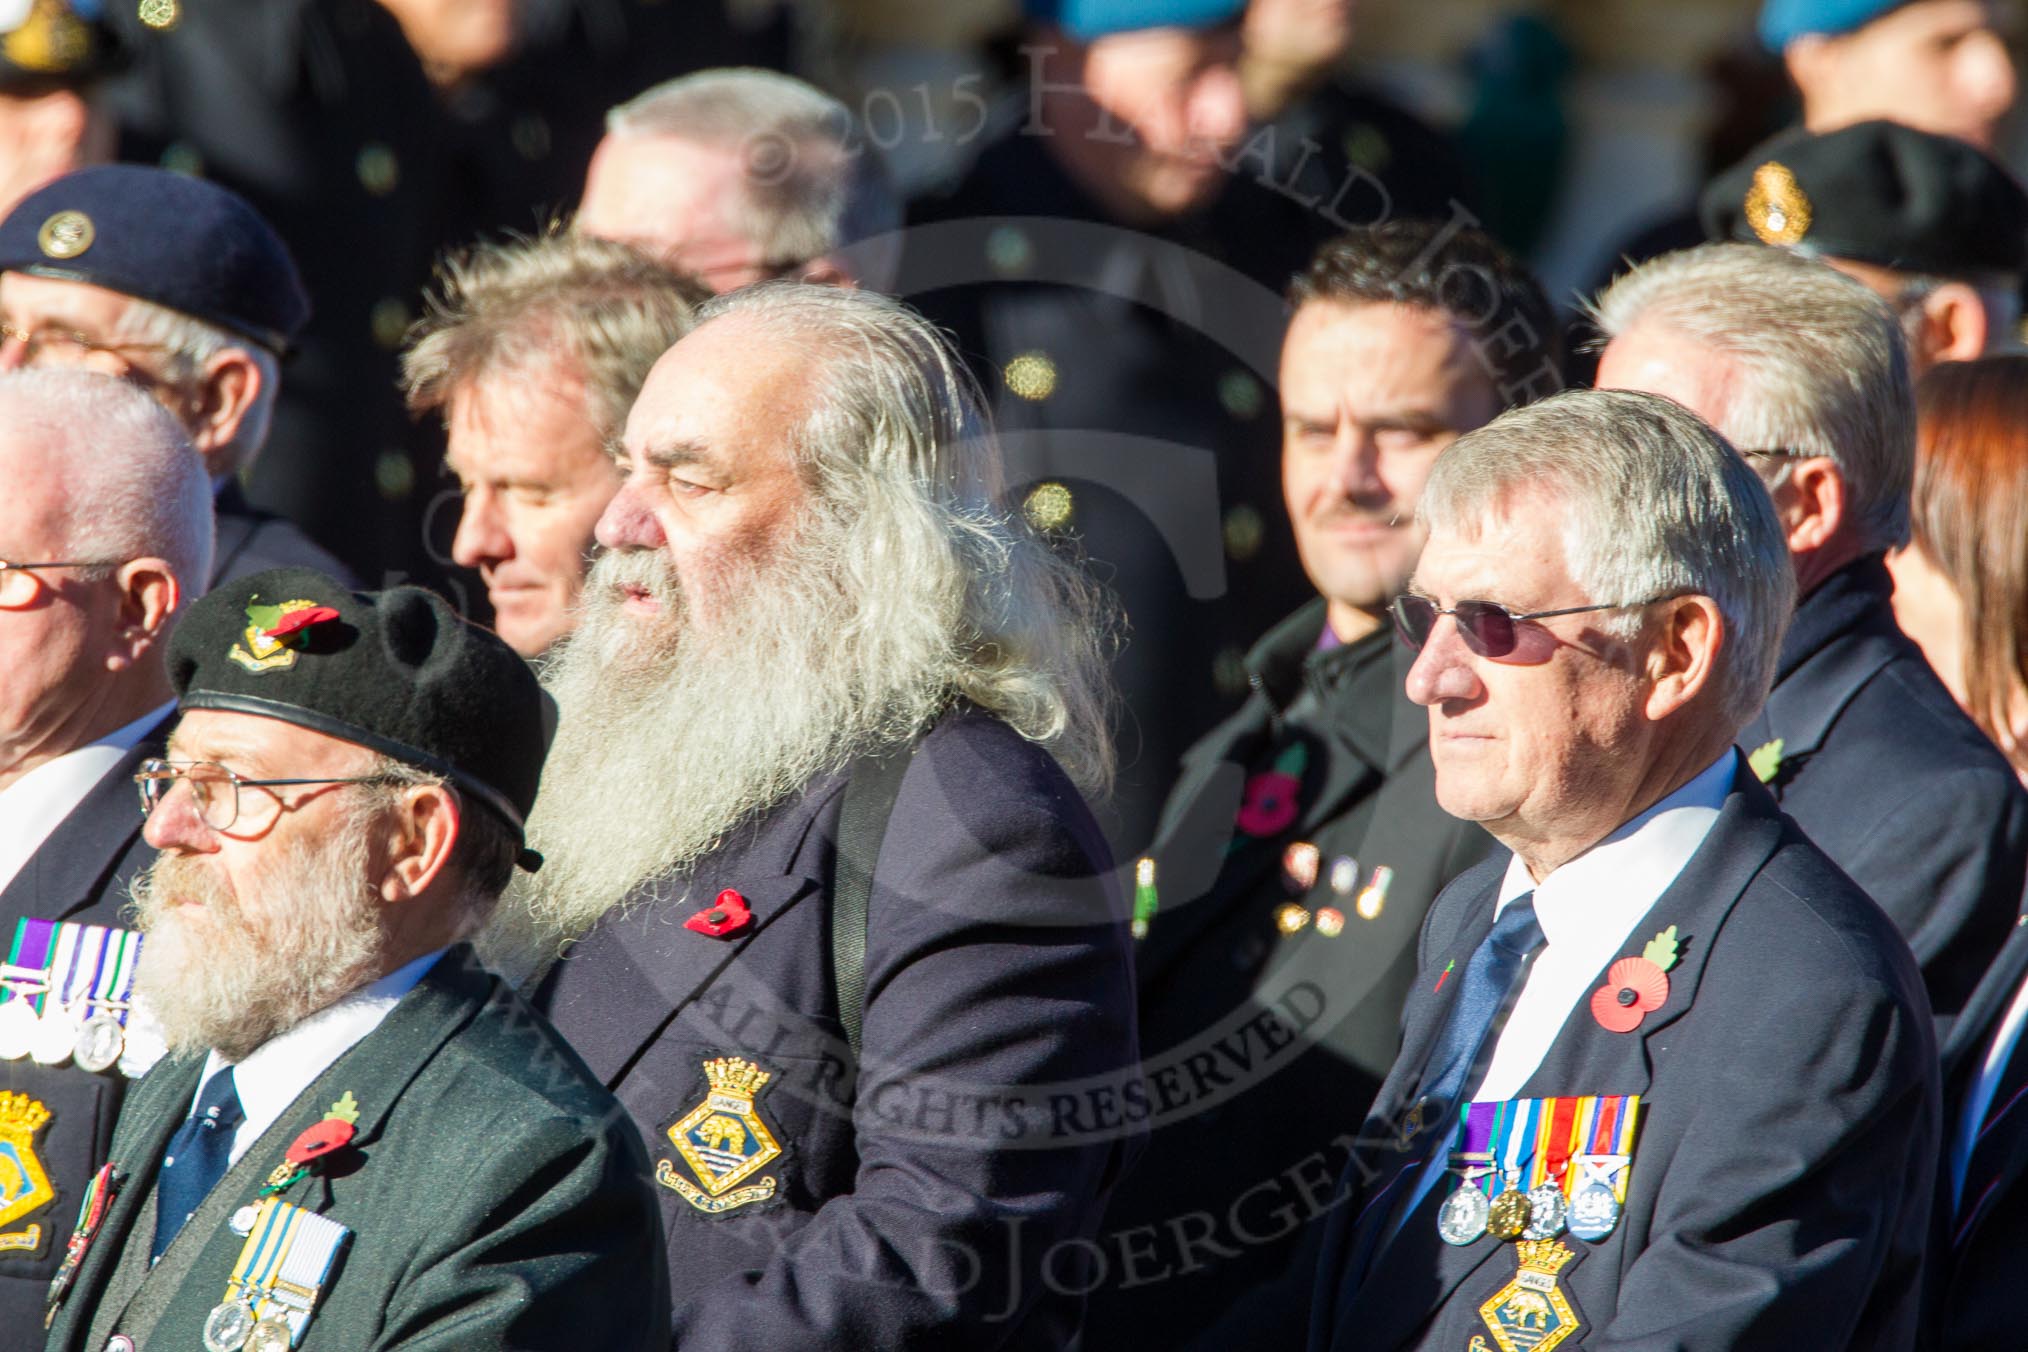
{"type": "Point", "coordinates": [1776, 206]}
{"type": "Point", "coordinates": [276, 633]}
{"type": "Point", "coordinates": [66, 234]}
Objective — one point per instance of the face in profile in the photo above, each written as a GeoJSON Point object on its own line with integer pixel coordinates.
{"type": "Point", "coordinates": [535, 477]}
{"type": "Point", "coordinates": [1371, 395]}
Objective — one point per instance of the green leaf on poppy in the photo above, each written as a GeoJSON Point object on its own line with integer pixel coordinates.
{"type": "Point", "coordinates": [1292, 761]}
{"type": "Point", "coordinates": [346, 1108]}
{"type": "Point", "coordinates": [1661, 949]}
{"type": "Point", "coordinates": [1766, 761]}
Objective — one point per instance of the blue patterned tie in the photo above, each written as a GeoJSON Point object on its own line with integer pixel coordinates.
{"type": "Point", "coordinates": [197, 1157]}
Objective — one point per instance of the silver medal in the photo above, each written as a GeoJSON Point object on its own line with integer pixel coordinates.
{"type": "Point", "coordinates": [1462, 1218]}
{"type": "Point", "coordinates": [99, 1043]}
{"type": "Point", "coordinates": [270, 1335]}
{"type": "Point", "coordinates": [228, 1326]}
{"type": "Point", "coordinates": [242, 1221]}
{"type": "Point", "coordinates": [1546, 1212]}
{"type": "Point", "coordinates": [17, 1028]}
{"type": "Point", "coordinates": [144, 1043]}
{"type": "Point", "coordinates": [1594, 1211]}
{"type": "Point", "coordinates": [55, 1036]}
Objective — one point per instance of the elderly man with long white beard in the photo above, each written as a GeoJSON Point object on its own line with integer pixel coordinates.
{"type": "Point", "coordinates": [362, 1140]}
{"type": "Point", "coordinates": [838, 927]}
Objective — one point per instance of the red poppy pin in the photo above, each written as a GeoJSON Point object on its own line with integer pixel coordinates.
{"type": "Point", "coordinates": [315, 1145]}
{"type": "Point", "coordinates": [298, 620]}
{"type": "Point", "coordinates": [1636, 987]}
{"type": "Point", "coordinates": [1272, 796]}
{"type": "Point", "coordinates": [725, 916]}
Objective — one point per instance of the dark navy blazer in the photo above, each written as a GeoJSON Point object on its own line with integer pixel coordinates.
{"type": "Point", "coordinates": [941, 1200]}
{"type": "Point", "coordinates": [1780, 1189]}
{"type": "Point", "coordinates": [1888, 776]}
{"type": "Point", "coordinates": [253, 541]}
{"type": "Point", "coordinates": [80, 874]}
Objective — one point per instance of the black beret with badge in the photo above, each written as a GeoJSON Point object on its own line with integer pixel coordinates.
{"type": "Point", "coordinates": [1881, 193]}
{"type": "Point", "coordinates": [47, 45]}
{"type": "Point", "coordinates": [396, 671]}
{"type": "Point", "coordinates": [178, 241]}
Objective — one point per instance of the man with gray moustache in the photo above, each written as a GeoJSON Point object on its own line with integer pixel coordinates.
{"type": "Point", "coordinates": [836, 923]}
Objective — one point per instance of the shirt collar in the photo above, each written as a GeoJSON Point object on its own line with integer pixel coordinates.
{"type": "Point", "coordinates": [1607, 889]}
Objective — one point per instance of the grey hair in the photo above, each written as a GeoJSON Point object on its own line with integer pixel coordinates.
{"type": "Point", "coordinates": [897, 450]}
{"type": "Point", "coordinates": [189, 343]}
{"type": "Point", "coordinates": [513, 305]}
{"type": "Point", "coordinates": [1822, 363]}
{"type": "Point", "coordinates": [134, 487]}
{"type": "Point", "coordinates": [1652, 502]}
{"type": "Point", "coordinates": [2001, 304]}
{"type": "Point", "coordinates": [813, 185]}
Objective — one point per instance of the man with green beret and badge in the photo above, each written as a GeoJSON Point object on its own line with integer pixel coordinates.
{"type": "Point", "coordinates": [181, 287]}
{"type": "Point", "coordinates": [361, 1139]}
{"type": "Point", "coordinates": [1933, 225]}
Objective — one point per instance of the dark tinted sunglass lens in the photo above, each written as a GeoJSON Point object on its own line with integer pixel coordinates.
{"type": "Point", "coordinates": [1414, 617]}
{"type": "Point", "coordinates": [1488, 628]}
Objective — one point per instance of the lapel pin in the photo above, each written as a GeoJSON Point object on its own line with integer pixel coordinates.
{"type": "Point", "coordinates": [728, 915]}
{"type": "Point", "coordinates": [1636, 987]}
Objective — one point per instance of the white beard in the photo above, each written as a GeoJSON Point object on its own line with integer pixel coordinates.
{"type": "Point", "coordinates": [225, 977]}
{"type": "Point", "coordinates": [677, 728]}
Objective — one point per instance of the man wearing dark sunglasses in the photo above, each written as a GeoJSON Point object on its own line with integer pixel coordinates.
{"type": "Point", "coordinates": [1806, 372]}
{"type": "Point", "coordinates": [1667, 1076]}
{"type": "Point", "coordinates": [87, 601]}
{"type": "Point", "coordinates": [1303, 843]}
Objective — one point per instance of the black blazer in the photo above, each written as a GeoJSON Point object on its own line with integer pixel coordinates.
{"type": "Point", "coordinates": [1780, 1187]}
{"type": "Point", "coordinates": [1976, 1252]}
{"type": "Point", "coordinates": [252, 541]}
{"type": "Point", "coordinates": [1888, 776]}
{"type": "Point", "coordinates": [985, 1130]}
{"type": "Point", "coordinates": [495, 1197]}
{"type": "Point", "coordinates": [80, 873]}
{"type": "Point", "coordinates": [1214, 962]}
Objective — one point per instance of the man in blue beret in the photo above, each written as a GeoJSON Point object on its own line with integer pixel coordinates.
{"type": "Point", "coordinates": [361, 1138]}
{"type": "Point", "coordinates": [1112, 267]}
{"type": "Point", "coordinates": [177, 285]}
{"type": "Point", "coordinates": [55, 56]}
{"type": "Point", "coordinates": [1939, 65]}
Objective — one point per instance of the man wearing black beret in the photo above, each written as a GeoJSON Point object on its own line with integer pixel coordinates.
{"type": "Point", "coordinates": [361, 1139]}
{"type": "Point", "coordinates": [1935, 226]}
{"type": "Point", "coordinates": [179, 285]}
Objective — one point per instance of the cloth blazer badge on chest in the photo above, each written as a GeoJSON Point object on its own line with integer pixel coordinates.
{"type": "Point", "coordinates": [724, 1141]}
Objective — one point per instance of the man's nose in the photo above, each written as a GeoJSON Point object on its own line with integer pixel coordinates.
{"type": "Point", "coordinates": [627, 523]}
{"type": "Point", "coordinates": [482, 531]}
{"type": "Point", "coordinates": [1443, 669]}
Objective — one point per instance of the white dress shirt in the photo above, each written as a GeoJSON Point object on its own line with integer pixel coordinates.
{"type": "Point", "coordinates": [33, 806]}
{"type": "Point", "coordinates": [277, 1072]}
{"type": "Point", "coordinates": [1590, 909]}
{"type": "Point", "coordinates": [1979, 1101]}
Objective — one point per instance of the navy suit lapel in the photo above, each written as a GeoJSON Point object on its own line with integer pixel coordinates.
{"type": "Point", "coordinates": [1584, 1059]}
{"type": "Point", "coordinates": [82, 857]}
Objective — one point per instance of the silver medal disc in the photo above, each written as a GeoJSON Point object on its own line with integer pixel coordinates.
{"type": "Point", "coordinates": [1462, 1218]}
{"type": "Point", "coordinates": [55, 1036]}
{"type": "Point", "coordinates": [1594, 1212]}
{"type": "Point", "coordinates": [242, 1221]}
{"type": "Point", "coordinates": [1546, 1212]}
{"type": "Point", "coordinates": [17, 1028]}
{"type": "Point", "coordinates": [228, 1326]}
{"type": "Point", "coordinates": [99, 1043]}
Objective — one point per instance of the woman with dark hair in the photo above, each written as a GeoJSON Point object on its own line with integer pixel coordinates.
{"type": "Point", "coordinates": [1961, 586]}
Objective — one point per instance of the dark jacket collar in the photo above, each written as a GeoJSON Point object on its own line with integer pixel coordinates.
{"type": "Point", "coordinates": [1858, 596]}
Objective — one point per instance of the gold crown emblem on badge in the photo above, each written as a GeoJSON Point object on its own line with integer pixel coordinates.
{"type": "Point", "coordinates": [20, 1113]}
{"type": "Point", "coordinates": [1544, 1255]}
{"type": "Point", "coordinates": [731, 1075]}
{"type": "Point", "coordinates": [1776, 206]}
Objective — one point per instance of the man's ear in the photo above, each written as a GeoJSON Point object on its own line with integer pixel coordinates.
{"type": "Point", "coordinates": [219, 400]}
{"type": "Point", "coordinates": [826, 272]}
{"type": "Point", "coordinates": [425, 833]}
{"type": "Point", "coordinates": [1683, 662]}
{"type": "Point", "coordinates": [1812, 504]}
{"type": "Point", "coordinates": [149, 594]}
{"type": "Point", "coordinates": [1955, 325]}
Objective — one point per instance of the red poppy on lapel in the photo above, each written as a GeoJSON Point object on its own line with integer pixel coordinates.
{"type": "Point", "coordinates": [1634, 987]}
{"type": "Point", "coordinates": [726, 916]}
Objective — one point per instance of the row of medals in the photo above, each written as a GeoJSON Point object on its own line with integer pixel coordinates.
{"type": "Point", "coordinates": [1539, 1213]}
{"type": "Point", "coordinates": [231, 1327]}
{"type": "Point", "coordinates": [61, 1033]}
